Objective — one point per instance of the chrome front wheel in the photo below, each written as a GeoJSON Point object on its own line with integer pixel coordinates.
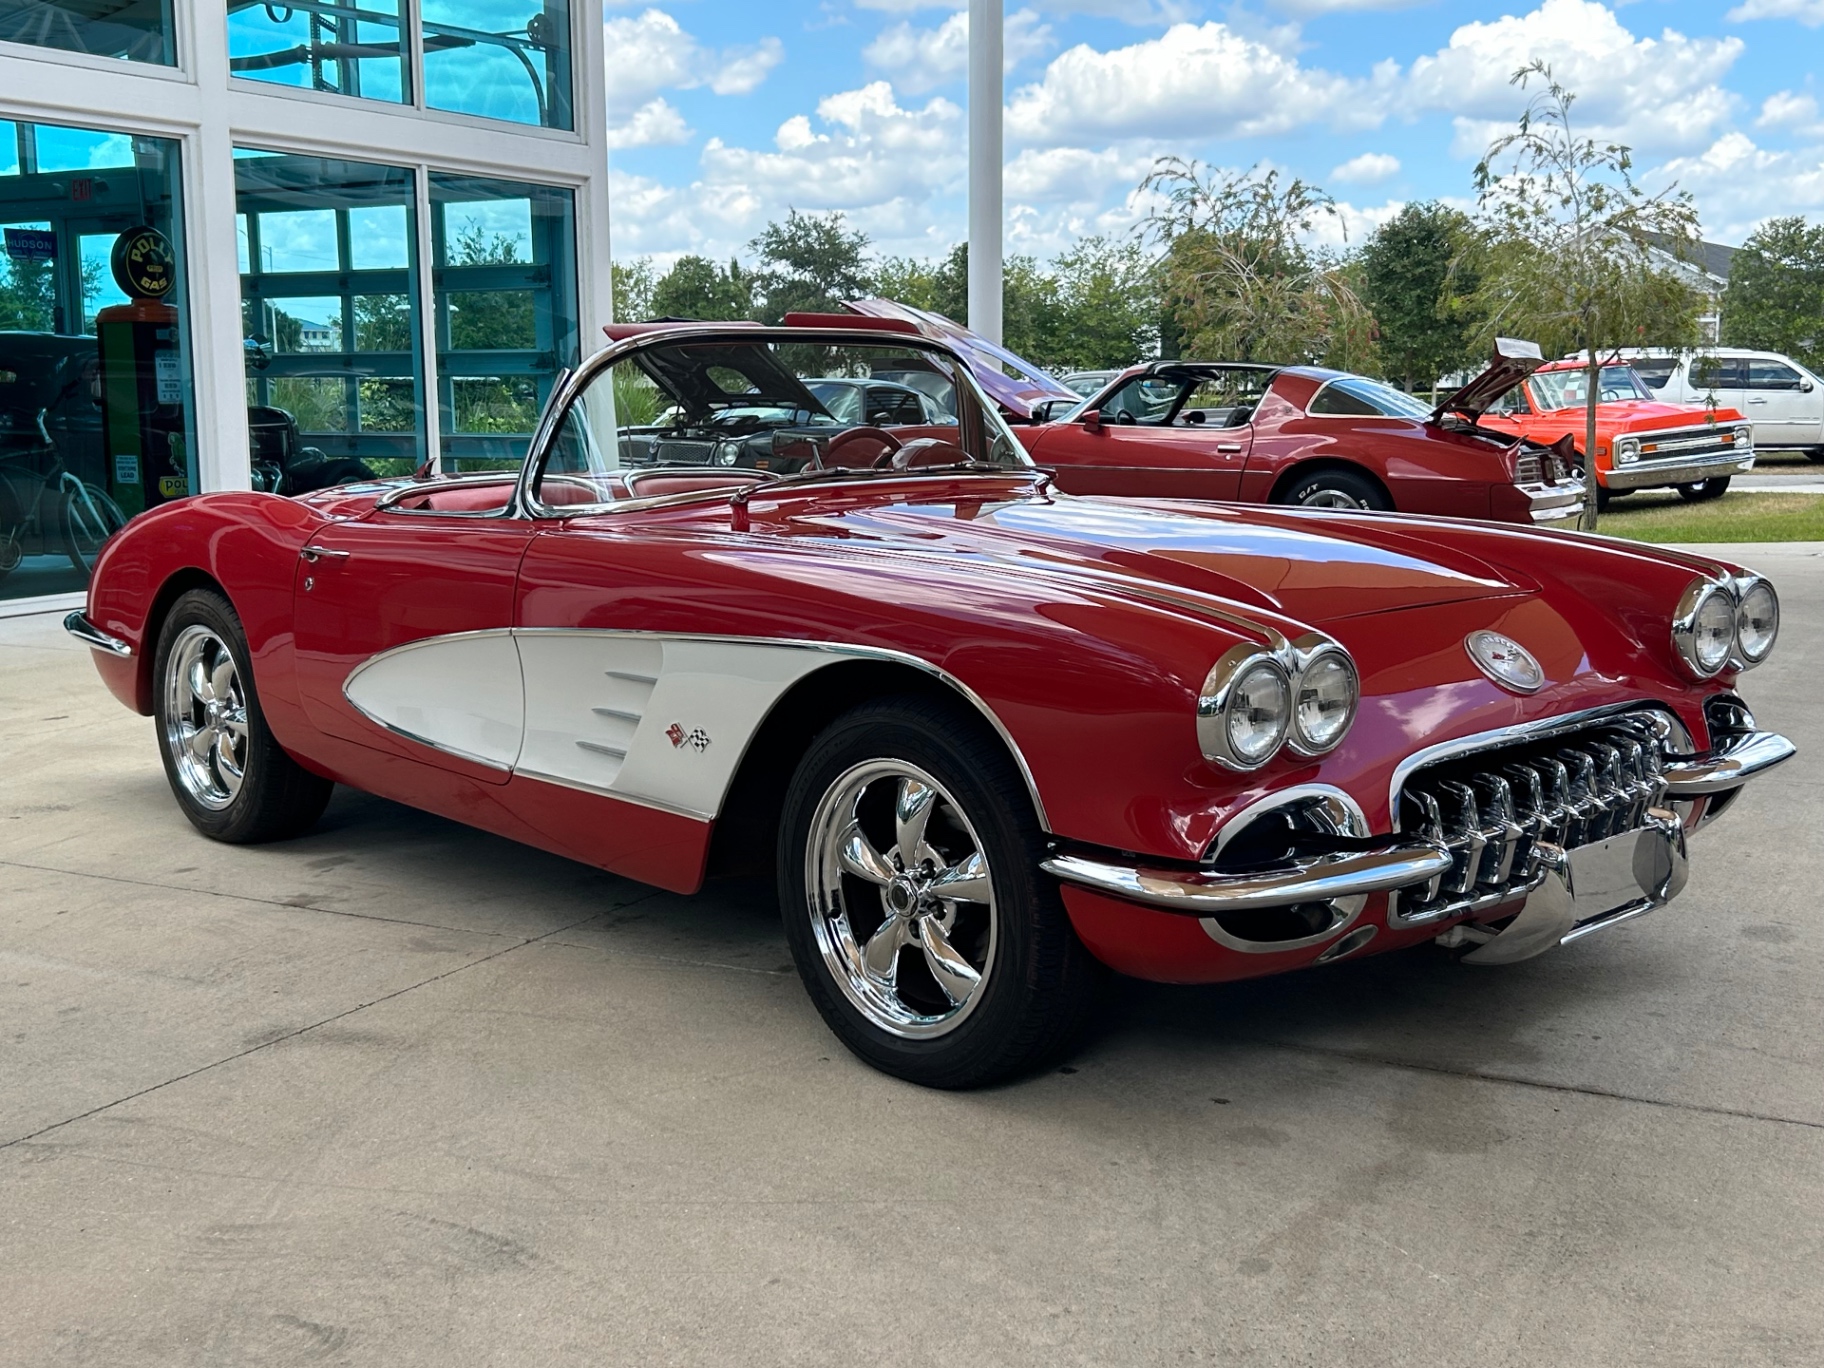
{"type": "Point", "coordinates": [205, 718]}
{"type": "Point", "coordinates": [902, 898]}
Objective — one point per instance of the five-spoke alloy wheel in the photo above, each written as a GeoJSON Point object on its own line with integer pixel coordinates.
{"type": "Point", "coordinates": [230, 775]}
{"type": "Point", "coordinates": [923, 928]}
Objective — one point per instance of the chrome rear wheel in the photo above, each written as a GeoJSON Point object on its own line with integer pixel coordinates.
{"type": "Point", "coordinates": [205, 717]}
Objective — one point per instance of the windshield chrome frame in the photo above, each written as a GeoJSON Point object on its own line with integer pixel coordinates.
{"type": "Point", "coordinates": [574, 382]}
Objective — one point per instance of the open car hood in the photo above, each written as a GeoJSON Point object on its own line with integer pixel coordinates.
{"type": "Point", "coordinates": [1513, 361]}
{"type": "Point", "coordinates": [989, 363]}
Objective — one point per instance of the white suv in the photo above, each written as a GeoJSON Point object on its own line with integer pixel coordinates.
{"type": "Point", "coordinates": [1783, 400]}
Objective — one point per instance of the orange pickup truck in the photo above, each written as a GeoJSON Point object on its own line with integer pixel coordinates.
{"type": "Point", "coordinates": [1641, 442]}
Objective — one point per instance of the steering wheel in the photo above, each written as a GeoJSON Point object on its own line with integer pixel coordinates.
{"type": "Point", "coordinates": [881, 435]}
{"type": "Point", "coordinates": [921, 451]}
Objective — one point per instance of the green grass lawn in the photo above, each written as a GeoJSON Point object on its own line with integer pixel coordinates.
{"type": "Point", "coordinates": [1739, 516]}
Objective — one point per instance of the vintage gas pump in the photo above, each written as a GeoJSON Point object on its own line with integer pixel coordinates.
{"type": "Point", "coordinates": [142, 385]}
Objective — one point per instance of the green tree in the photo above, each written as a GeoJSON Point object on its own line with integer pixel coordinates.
{"type": "Point", "coordinates": [1108, 305]}
{"type": "Point", "coordinates": [1569, 236]}
{"type": "Point", "coordinates": [810, 263]}
{"type": "Point", "coordinates": [1415, 269]}
{"type": "Point", "coordinates": [633, 283]}
{"type": "Point", "coordinates": [1776, 291]}
{"type": "Point", "coordinates": [695, 287]}
{"type": "Point", "coordinates": [488, 320]}
{"type": "Point", "coordinates": [28, 295]}
{"type": "Point", "coordinates": [1236, 272]}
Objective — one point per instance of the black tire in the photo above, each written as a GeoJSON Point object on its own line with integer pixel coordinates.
{"type": "Point", "coordinates": [1704, 490]}
{"type": "Point", "coordinates": [1335, 488]}
{"type": "Point", "coordinates": [275, 797]}
{"type": "Point", "coordinates": [1814, 453]}
{"type": "Point", "coordinates": [1038, 985]}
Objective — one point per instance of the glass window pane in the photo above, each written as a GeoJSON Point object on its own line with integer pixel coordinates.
{"type": "Point", "coordinates": [347, 47]}
{"type": "Point", "coordinates": [139, 32]}
{"type": "Point", "coordinates": [96, 411]}
{"type": "Point", "coordinates": [329, 276]}
{"type": "Point", "coordinates": [500, 59]}
{"type": "Point", "coordinates": [506, 312]}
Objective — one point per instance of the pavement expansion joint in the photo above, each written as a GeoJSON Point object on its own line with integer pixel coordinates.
{"type": "Point", "coordinates": [291, 1035]}
{"type": "Point", "coordinates": [1543, 1085]}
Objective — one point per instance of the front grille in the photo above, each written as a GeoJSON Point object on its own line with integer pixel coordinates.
{"type": "Point", "coordinates": [1687, 443]}
{"type": "Point", "coordinates": [1492, 808]}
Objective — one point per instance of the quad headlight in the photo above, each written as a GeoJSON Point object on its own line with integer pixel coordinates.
{"type": "Point", "coordinates": [1254, 701]}
{"type": "Point", "coordinates": [1757, 621]}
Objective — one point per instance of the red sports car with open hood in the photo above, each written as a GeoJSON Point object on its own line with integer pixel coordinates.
{"type": "Point", "coordinates": [991, 739]}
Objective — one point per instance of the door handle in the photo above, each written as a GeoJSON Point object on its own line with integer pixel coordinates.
{"type": "Point", "coordinates": [1757, 401]}
{"type": "Point", "coordinates": [1229, 448]}
{"type": "Point", "coordinates": [313, 554]}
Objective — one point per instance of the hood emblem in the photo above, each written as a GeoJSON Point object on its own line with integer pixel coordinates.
{"type": "Point", "coordinates": [1505, 661]}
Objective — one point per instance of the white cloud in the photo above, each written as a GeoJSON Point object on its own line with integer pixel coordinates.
{"type": "Point", "coordinates": [1351, 225]}
{"type": "Point", "coordinates": [1808, 12]}
{"type": "Point", "coordinates": [1662, 93]}
{"type": "Point", "coordinates": [1786, 108]}
{"type": "Point", "coordinates": [917, 60]}
{"type": "Point", "coordinates": [1193, 81]}
{"type": "Point", "coordinates": [1368, 169]}
{"type": "Point", "coordinates": [650, 52]}
{"type": "Point", "coordinates": [654, 124]}
{"type": "Point", "coordinates": [1141, 13]}
{"type": "Point", "coordinates": [1739, 184]}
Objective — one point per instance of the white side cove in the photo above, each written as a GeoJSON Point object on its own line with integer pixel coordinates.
{"type": "Point", "coordinates": [657, 720]}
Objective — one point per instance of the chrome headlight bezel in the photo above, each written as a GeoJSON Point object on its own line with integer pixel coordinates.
{"type": "Point", "coordinates": [1627, 450]}
{"type": "Point", "coordinates": [1329, 653]}
{"type": "Point", "coordinates": [1745, 587]}
{"type": "Point", "coordinates": [1288, 661]}
{"type": "Point", "coordinates": [1216, 701]}
{"type": "Point", "coordinates": [1698, 597]}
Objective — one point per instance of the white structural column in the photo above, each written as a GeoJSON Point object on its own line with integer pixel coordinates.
{"type": "Point", "coordinates": [985, 224]}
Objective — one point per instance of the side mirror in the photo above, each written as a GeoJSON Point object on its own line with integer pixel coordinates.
{"type": "Point", "coordinates": [1806, 387]}
{"type": "Point", "coordinates": [1092, 421]}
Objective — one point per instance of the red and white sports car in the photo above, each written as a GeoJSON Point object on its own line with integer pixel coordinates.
{"type": "Point", "coordinates": [992, 739]}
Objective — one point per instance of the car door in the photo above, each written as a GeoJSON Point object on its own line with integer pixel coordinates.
{"type": "Point", "coordinates": [1723, 381]}
{"type": "Point", "coordinates": [1157, 437]}
{"type": "Point", "coordinates": [1781, 404]}
{"type": "Point", "coordinates": [401, 575]}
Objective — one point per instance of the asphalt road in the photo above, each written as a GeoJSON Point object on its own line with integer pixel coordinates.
{"type": "Point", "coordinates": [399, 1093]}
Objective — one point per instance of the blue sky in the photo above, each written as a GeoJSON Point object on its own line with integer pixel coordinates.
{"type": "Point", "coordinates": [726, 112]}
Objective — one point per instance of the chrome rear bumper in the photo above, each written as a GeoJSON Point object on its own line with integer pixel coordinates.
{"type": "Point", "coordinates": [1203, 893]}
{"type": "Point", "coordinates": [1553, 502]}
{"type": "Point", "coordinates": [89, 634]}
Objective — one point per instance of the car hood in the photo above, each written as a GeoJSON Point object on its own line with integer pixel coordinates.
{"type": "Point", "coordinates": [1315, 568]}
{"type": "Point", "coordinates": [1645, 415]}
{"type": "Point", "coordinates": [1017, 392]}
{"type": "Point", "coordinates": [1513, 361]}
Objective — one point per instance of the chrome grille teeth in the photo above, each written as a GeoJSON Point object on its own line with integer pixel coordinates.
{"type": "Point", "coordinates": [1494, 810]}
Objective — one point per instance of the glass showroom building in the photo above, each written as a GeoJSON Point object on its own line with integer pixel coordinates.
{"type": "Point", "coordinates": [413, 198]}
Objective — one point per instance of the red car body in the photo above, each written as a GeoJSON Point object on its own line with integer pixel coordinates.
{"type": "Point", "coordinates": [1081, 630]}
{"type": "Point", "coordinates": [1641, 442]}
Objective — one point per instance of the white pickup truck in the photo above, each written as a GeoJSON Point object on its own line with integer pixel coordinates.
{"type": "Point", "coordinates": [1783, 399]}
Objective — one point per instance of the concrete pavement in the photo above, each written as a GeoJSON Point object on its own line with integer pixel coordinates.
{"type": "Point", "coordinates": [400, 1093]}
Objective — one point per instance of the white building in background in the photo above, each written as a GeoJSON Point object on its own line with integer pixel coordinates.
{"type": "Point", "coordinates": [432, 195]}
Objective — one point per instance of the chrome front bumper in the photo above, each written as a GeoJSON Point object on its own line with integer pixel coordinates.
{"type": "Point", "coordinates": [1203, 893]}
{"type": "Point", "coordinates": [78, 626]}
{"type": "Point", "coordinates": [1728, 767]}
{"type": "Point", "coordinates": [1664, 474]}
{"type": "Point", "coordinates": [1553, 502]}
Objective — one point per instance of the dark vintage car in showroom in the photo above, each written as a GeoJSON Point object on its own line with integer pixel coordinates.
{"type": "Point", "coordinates": [991, 739]}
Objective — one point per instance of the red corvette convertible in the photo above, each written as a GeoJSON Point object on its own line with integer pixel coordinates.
{"type": "Point", "coordinates": [990, 738]}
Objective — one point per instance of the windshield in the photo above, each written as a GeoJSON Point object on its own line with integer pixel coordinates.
{"type": "Point", "coordinates": [1561, 389]}
{"type": "Point", "coordinates": [1357, 396]}
{"type": "Point", "coordinates": [714, 411]}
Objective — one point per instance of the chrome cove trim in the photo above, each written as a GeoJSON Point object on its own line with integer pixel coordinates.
{"type": "Point", "coordinates": [1728, 767]}
{"type": "Point", "coordinates": [79, 626]}
{"type": "Point", "coordinates": [1202, 893]}
{"type": "Point", "coordinates": [833, 649]}
{"type": "Point", "coordinates": [1675, 739]}
{"type": "Point", "coordinates": [578, 786]}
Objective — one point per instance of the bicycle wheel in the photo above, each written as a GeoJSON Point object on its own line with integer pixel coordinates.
{"type": "Point", "coordinates": [89, 517]}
